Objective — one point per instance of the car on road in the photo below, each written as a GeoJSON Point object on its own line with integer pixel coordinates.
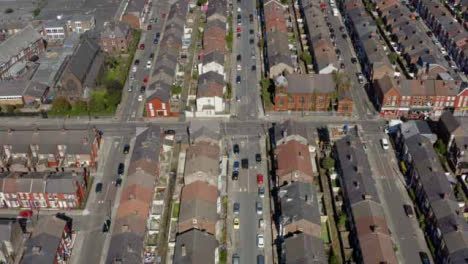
{"type": "Point", "coordinates": [251, 32]}
{"type": "Point", "coordinates": [261, 223]}
{"type": "Point", "coordinates": [260, 259]}
{"type": "Point", "coordinates": [156, 41]}
{"type": "Point", "coordinates": [236, 165]}
{"type": "Point", "coordinates": [236, 208]}
{"type": "Point", "coordinates": [137, 62]}
{"type": "Point", "coordinates": [236, 149]}
{"type": "Point", "coordinates": [239, 57]}
{"type": "Point", "coordinates": [251, 18]}
{"type": "Point", "coordinates": [408, 210]}
{"type": "Point", "coordinates": [260, 241]}
{"type": "Point", "coordinates": [151, 55]}
{"type": "Point", "coordinates": [140, 98]}
{"type": "Point", "coordinates": [134, 68]}
{"type": "Point", "coordinates": [353, 60]}
{"type": "Point", "coordinates": [158, 34]}
{"type": "Point", "coordinates": [238, 79]}
{"type": "Point", "coordinates": [239, 67]}
{"type": "Point", "coordinates": [259, 208]}
{"type": "Point", "coordinates": [142, 46]}
{"type": "Point", "coordinates": [239, 29]}
{"type": "Point", "coordinates": [142, 89]}
{"type": "Point", "coordinates": [261, 192]}
{"type": "Point", "coordinates": [236, 223]}
{"type": "Point", "coordinates": [120, 168]}
{"type": "Point", "coordinates": [238, 35]}
{"type": "Point", "coordinates": [98, 187]}
{"type": "Point", "coordinates": [149, 27]}
{"type": "Point", "coordinates": [145, 80]}
{"type": "Point", "coordinates": [251, 41]}
{"type": "Point", "coordinates": [344, 36]}
{"type": "Point", "coordinates": [254, 68]}
{"type": "Point", "coordinates": [118, 182]}
{"type": "Point", "coordinates": [130, 89]}
{"type": "Point", "coordinates": [259, 179]}
{"type": "Point", "coordinates": [106, 226]}
{"type": "Point", "coordinates": [384, 142]}
{"type": "Point", "coordinates": [235, 257]}
{"type": "Point", "coordinates": [258, 157]}
{"type": "Point", "coordinates": [245, 163]}
{"type": "Point", "coordinates": [239, 10]}
{"type": "Point", "coordinates": [360, 77]}
{"type": "Point", "coordinates": [126, 149]}
{"type": "Point", "coordinates": [148, 64]}
{"type": "Point", "coordinates": [424, 258]}
{"type": "Point", "coordinates": [235, 175]}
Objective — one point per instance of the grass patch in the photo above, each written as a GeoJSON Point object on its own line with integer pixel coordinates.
{"type": "Point", "coordinates": [268, 88]}
{"type": "Point", "coordinates": [175, 210]}
{"type": "Point", "coordinates": [325, 235]}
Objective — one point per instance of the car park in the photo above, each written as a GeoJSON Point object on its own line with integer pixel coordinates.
{"type": "Point", "coordinates": [245, 163]}
{"type": "Point", "coordinates": [260, 241]}
{"type": "Point", "coordinates": [384, 142]}
{"type": "Point", "coordinates": [98, 187]}
{"type": "Point", "coordinates": [258, 157]}
{"type": "Point", "coordinates": [236, 208]}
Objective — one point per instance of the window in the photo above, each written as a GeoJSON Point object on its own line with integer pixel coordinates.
{"type": "Point", "coordinates": [301, 99]}
{"type": "Point", "coordinates": [290, 99]}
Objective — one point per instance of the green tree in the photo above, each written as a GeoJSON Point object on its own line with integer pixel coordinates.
{"type": "Point", "coordinates": [328, 163]}
{"type": "Point", "coordinates": [61, 105]}
{"type": "Point", "coordinates": [176, 89]}
{"type": "Point", "coordinates": [80, 106]}
{"type": "Point", "coordinates": [201, 2]}
{"type": "Point", "coordinates": [36, 12]}
{"type": "Point", "coordinates": [306, 57]}
{"type": "Point", "coordinates": [342, 220]}
{"type": "Point", "coordinates": [113, 85]}
{"type": "Point", "coordinates": [393, 57]}
{"type": "Point", "coordinates": [440, 147]}
{"type": "Point", "coordinates": [98, 101]}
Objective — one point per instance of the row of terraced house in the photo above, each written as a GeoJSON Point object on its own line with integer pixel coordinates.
{"type": "Point", "coordinates": [433, 88]}
{"type": "Point", "coordinates": [212, 76]}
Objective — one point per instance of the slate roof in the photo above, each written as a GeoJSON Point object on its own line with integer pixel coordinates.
{"type": "Point", "coordinates": [415, 127]}
{"type": "Point", "coordinates": [22, 87]}
{"type": "Point", "coordinates": [278, 49]}
{"type": "Point", "coordinates": [199, 191]}
{"type": "Point", "coordinates": [83, 58]}
{"type": "Point", "coordinates": [293, 156]}
{"type": "Point", "coordinates": [304, 249]}
{"type": "Point", "coordinates": [116, 30]}
{"type": "Point", "coordinates": [310, 83]}
{"type": "Point", "coordinates": [448, 122]}
{"type": "Point", "coordinates": [300, 202]}
{"type": "Point", "coordinates": [291, 127]}
{"type": "Point", "coordinates": [216, 7]}
{"type": "Point", "coordinates": [204, 132]}
{"type": "Point", "coordinates": [126, 247]}
{"type": "Point", "coordinates": [199, 248]}
{"type": "Point", "coordinates": [214, 56]}
{"type": "Point", "coordinates": [18, 42]}
{"type": "Point", "coordinates": [46, 236]}
{"type": "Point", "coordinates": [198, 209]}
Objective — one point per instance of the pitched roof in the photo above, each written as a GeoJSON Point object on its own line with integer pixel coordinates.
{"type": "Point", "coordinates": [212, 84]}
{"type": "Point", "coordinates": [83, 58]}
{"type": "Point", "coordinates": [291, 127]}
{"type": "Point", "coordinates": [115, 30]}
{"type": "Point", "coordinates": [299, 202]}
{"type": "Point", "coordinates": [198, 209]}
{"type": "Point", "coordinates": [293, 156]}
{"type": "Point", "coordinates": [203, 148]}
{"type": "Point", "coordinates": [304, 249]}
{"type": "Point", "coordinates": [18, 42]}
{"type": "Point", "coordinates": [310, 83]}
{"type": "Point", "coordinates": [193, 247]}
{"type": "Point", "coordinates": [449, 122]}
{"type": "Point", "coordinates": [199, 191]}
{"type": "Point", "coordinates": [22, 87]}
{"type": "Point", "coordinates": [126, 247]}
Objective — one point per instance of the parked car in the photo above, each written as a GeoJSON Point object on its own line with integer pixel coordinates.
{"type": "Point", "coordinates": [384, 142]}
{"type": "Point", "coordinates": [235, 175]}
{"type": "Point", "coordinates": [260, 241]}
{"type": "Point", "coordinates": [149, 27]}
{"type": "Point", "coordinates": [106, 226]}
{"type": "Point", "coordinates": [261, 192]}
{"type": "Point", "coordinates": [239, 67]}
{"type": "Point", "coordinates": [145, 80]}
{"type": "Point", "coordinates": [235, 257]}
{"type": "Point", "coordinates": [344, 36]}
{"type": "Point", "coordinates": [261, 223]}
{"type": "Point", "coordinates": [98, 187]}
{"type": "Point", "coordinates": [360, 77]}
{"type": "Point", "coordinates": [140, 98]}
{"type": "Point", "coordinates": [236, 165]}
{"type": "Point", "coordinates": [236, 208]}
{"type": "Point", "coordinates": [408, 210]}
{"type": "Point", "coordinates": [251, 41]}
{"type": "Point", "coordinates": [254, 68]}
{"type": "Point", "coordinates": [245, 163]}
{"type": "Point", "coordinates": [238, 35]}
{"type": "Point", "coordinates": [353, 60]}
{"type": "Point", "coordinates": [259, 208]}
{"type": "Point", "coordinates": [424, 257]}
{"type": "Point", "coordinates": [142, 89]}
{"type": "Point", "coordinates": [151, 55]}
{"type": "Point", "coordinates": [236, 223]}
{"type": "Point", "coordinates": [120, 168]}
{"type": "Point", "coordinates": [260, 259]}
{"type": "Point", "coordinates": [130, 88]}
{"type": "Point", "coordinates": [118, 182]}
{"type": "Point", "coordinates": [142, 46]}
{"type": "Point", "coordinates": [239, 57]}
{"type": "Point", "coordinates": [137, 62]}
{"type": "Point", "coordinates": [251, 18]}
{"type": "Point", "coordinates": [134, 68]}
{"type": "Point", "coordinates": [251, 32]}
{"type": "Point", "coordinates": [238, 79]}
{"type": "Point", "coordinates": [148, 64]}
{"type": "Point", "coordinates": [126, 149]}
{"type": "Point", "coordinates": [259, 179]}
{"type": "Point", "coordinates": [236, 149]}
{"type": "Point", "coordinates": [258, 157]}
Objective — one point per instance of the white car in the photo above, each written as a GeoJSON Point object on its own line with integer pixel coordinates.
{"type": "Point", "coordinates": [140, 98]}
{"type": "Point", "coordinates": [148, 65]}
{"type": "Point", "coordinates": [239, 10]}
{"type": "Point", "coordinates": [134, 68]}
{"type": "Point", "coordinates": [239, 67]}
{"type": "Point", "coordinates": [384, 142]}
{"type": "Point", "coordinates": [260, 241]}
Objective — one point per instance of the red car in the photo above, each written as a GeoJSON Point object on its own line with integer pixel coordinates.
{"type": "Point", "coordinates": [239, 29]}
{"type": "Point", "coordinates": [164, 15]}
{"type": "Point", "coordinates": [149, 27]}
{"type": "Point", "coordinates": [145, 80]}
{"type": "Point", "coordinates": [25, 214]}
{"type": "Point", "coordinates": [142, 46]}
{"type": "Point", "coordinates": [259, 179]}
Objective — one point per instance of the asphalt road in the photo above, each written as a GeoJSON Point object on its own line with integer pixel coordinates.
{"type": "Point", "coordinates": [246, 101]}
{"type": "Point", "coordinates": [405, 231]}
{"type": "Point", "coordinates": [362, 105]}
{"type": "Point", "coordinates": [131, 107]}
{"type": "Point", "coordinates": [245, 192]}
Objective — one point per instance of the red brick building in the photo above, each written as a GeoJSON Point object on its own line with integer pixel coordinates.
{"type": "Point", "coordinates": [311, 92]}
{"type": "Point", "coordinates": [115, 38]}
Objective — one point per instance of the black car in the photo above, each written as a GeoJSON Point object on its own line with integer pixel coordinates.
{"type": "Point", "coordinates": [354, 60]}
{"type": "Point", "coordinates": [137, 61]}
{"type": "Point", "coordinates": [254, 68]}
{"type": "Point", "coordinates": [332, 36]}
{"type": "Point", "coordinates": [235, 175]}
{"type": "Point", "coordinates": [424, 258]}
{"type": "Point", "coordinates": [251, 41]}
{"type": "Point", "coordinates": [118, 182]}
{"type": "Point", "coordinates": [239, 57]}
{"type": "Point", "coordinates": [341, 28]}
{"type": "Point", "coordinates": [98, 187]}
{"type": "Point", "coordinates": [251, 32]}
{"type": "Point", "coordinates": [158, 35]}
{"type": "Point", "coordinates": [126, 149]}
{"type": "Point", "coordinates": [151, 55]}
{"type": "Point", "coordinates": [338, 52]}
{"type": "Point", "coordinates": [344, 36]}
{"type": "Point", "coordinates": [156, 41]}
{"type": "Point", "coordinates": [142, 89]}
{"type": "Point", "coordinates": [258, 157]}
{"type": "Point", "coordinates": [120, 169]}
{"type": "Point", "coordinates": [236, 149]}
{"type": "Point", "coordinates": [332, 30]}
{"type": "Point", "coordinates": [106, 226]}
{"type": "Point", "coordinates": [342, 65]}
{"type": "Point", "coordinates": [238, 35]}
{"type": "Point", "coordinates": [238, 79]}
{"type": "Point", "coordinates": [245, 163]}
{"type": "Point", "coordinates": [239, 17]}
{"type": "Point", "coordinates": [408, 210]}
{"type": "Point", "coordinates": [170, 132]}
{"type": "Point", "coordinates": [251, 18]}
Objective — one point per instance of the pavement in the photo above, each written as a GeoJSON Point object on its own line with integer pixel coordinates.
{"type": "Point", "coordinates": [245, 192]}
